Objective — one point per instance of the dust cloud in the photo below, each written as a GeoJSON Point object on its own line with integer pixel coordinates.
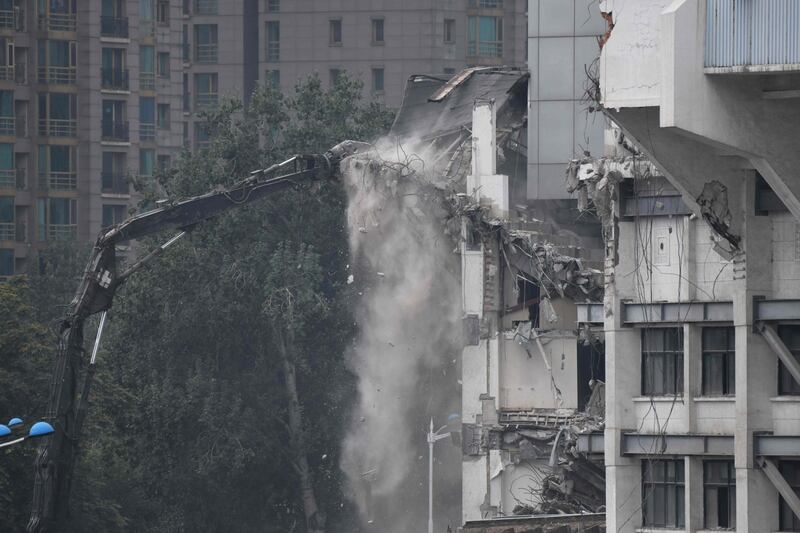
{"type": "Point", "coordinates": [407, 353]}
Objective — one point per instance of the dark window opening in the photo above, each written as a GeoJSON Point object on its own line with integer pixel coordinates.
{"type": "Point", "coordinates": [662, 361]}
{"type": "Point", "coordinates": [787, 386]}
{"type": "Point", "coordinates": [719, 362]}
{"type": "Point", "coordinates": [791, 473]}
{"type": "Point", "coordinates": [663, 493]}
{"type": "Point", "coordinates": [336, 31]}
{"type": "Point", "coordinates": [719, 494]}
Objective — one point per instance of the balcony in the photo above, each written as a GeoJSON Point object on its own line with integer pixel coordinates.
{"type": "Point", "coordinates": [22, 232]}
{"type": "Point", "coordinates": [57, 22]}
{"type": "Point", "coordinates": [56, 75]}
{"type": "Point", "coordinates": [21, 178]}
{"type": "Point", "coordinates": [205, 100]}
{"type": "Point", "coordinates": [7, 73]}
{"type": "Point", "coordinates": [485, 49]}
{"type": "Point", "coordinates": [8, 126]}
{"type": "Point", "coordinates": [53, 127]}
{"type": "Point", "coordinates": [115, 79]}
{"type": "Point", "coordinates": [8, 178]}
{"type": "Point", "coordinates": [206, 7]}
{"type": "Point", "coordinates": [116, 131]}
{"type": "Point", "coordinates": [752, 36]}
{"type": "Point", "coordinates": [147, 131]}
{"type": "Point", "coordinates": [8, 231]}
{"type": "Point", "coordinates": [486, 4]}
{"type": "Point", "coordinates": [7, 19]}
{"type": "Point", "coordinates": [21, 74]}
{"type": "Point", "coordinates": [147, 81]}
{"type": "Point", "coordinates": [62, 232]}
{"type": "Point", "coordinates": [114, 183]}
{"type": "Point", "coordinates": [206, 53]}
{"type": "Point", "coordinates": [58, 181]}
{"type": "Point", "coordinates": [114, 27]}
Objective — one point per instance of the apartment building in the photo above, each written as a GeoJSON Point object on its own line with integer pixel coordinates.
{"type": "Point", "coordinates": [700, 202]}
{"type": "Point", "coordinates": [382, 43]}
{"type": "Point", "coordinates": [88, 98]}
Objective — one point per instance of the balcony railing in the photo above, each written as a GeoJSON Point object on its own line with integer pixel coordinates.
{"type": "Point", "coordinates": [206, 7]}
{"type": "Point", "coordinates": [115, 79]}
{"type": "Point", "coordinates": [207, 53]}
{"type": "Point", "coordinates": [56, 75]}
{"type": "Point", "coordinates": [273, 51]}
{"type": "Point", "coordinates": [7, 19]}
{"type": "Point", "coordinates": [8, 178]}
{"type": "Point", "coordinates": [114, 183]}
{"type": "Point", "coordinates": [744, 35]}
{"type": "Point", "coordinates": [58, 180]}
{"type": "Point", "coordinates": [57, 22]}
{"type": "Point", "coordinates": [114, 27]}
{"type": "Point", "coordinates": [147, 131]}
{"type": "Point", "coordinates": [116, 130]}
{"type": "Point", "coordinates": [7, 72]}
{"type": "Point", "coordinates": [8, 231]}
{"type": "Point", "coordinates": [489, 4]}
{"type": "Point", "coordinates": [8, 126]}
{"type": "Point", "coordinates": [62, 232]}
{"type": "Point", "coordinates": [52, 127]}
{"type": "Point", "coordinates": [485, 49]}
{"type": "Point", "coordinates": [21, 73]}
{"type": "Point", "coordinates": [147, 81]}
{"type": "Point", "coordinates": [205, 100]}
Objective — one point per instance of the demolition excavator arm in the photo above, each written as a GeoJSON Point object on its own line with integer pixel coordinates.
{"type": "Point", "coordinates": [72, 376]}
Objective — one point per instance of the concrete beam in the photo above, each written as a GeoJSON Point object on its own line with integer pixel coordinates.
{"type": "Point", "coordinates": [647, 444]}
{"type": "Point", "coordinates": [780, 483]}
{"type": "Point", "coordinates": [780, 349]}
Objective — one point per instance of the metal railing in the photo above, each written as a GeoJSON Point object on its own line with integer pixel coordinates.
{"type": "Point", "coordinates": [204, 100]}
{"type": "Point", "coordinates": [8, 231]}
{"type": "Point", "coordinates": [147, 81]}
{"type": "Point", "coordinates": [8, 178]}
{"type": "Point", "coordinates": [114, 78]}
{"type": "Point", "coordinates": [7, 72]}
{"type": "Point", "coordinates": [59, 232]}
{"type": "Point", "coordinates": [58, 180]}
{"type": "Point", "coordinates": [273, 51]}
{"type": "Point", "coordinates": [114, 183]}
{"type": "Point", "coordinates": [114, 27]}
{"type": "Point", "coordinates": [147, 131]}
{"type": "Point", "coordinates": [485, 49]}
{"type": "Point", "coordinates": [115, 130]}
{"type": "Point", "coordinates": [206, 53]}
{"type": "Point", "coordinates": [57, 22]}
{"type": "Point", "coordinates": [7, 19]}
{"type": "Point", "coordinates": [56, 75]}
{"type": "Point", "coordinates": [52, 127]}
{"type": "Point", "coordinates": [8, 126]}
{"type": "Point", "coordinates": [742, 33]}
{"type": "Point", "coordinates": [487, 4]}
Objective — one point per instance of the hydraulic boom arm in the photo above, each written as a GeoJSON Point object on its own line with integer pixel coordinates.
{"type": "Point", "coordinates": [66, 408]}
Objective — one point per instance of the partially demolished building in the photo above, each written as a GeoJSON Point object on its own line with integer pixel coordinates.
{"type": "Point", "coordinates": [699, 198]}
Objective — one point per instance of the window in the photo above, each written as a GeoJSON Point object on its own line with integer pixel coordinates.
{"type": "Point", "coordinates": [485, 36]}
{"type": "Point", "coordinates": [206, 7]}
{"type": "Point", "coordinates": [114, 123]}
{"type": "Point", "coordinates": [147, 68]}
{"type": "Point", "coordinates": [791, 473]}
{"type": "Point", "coordinates": [7, 227]}
{"type": "Point", "coordinates": [8, 175]}
{"type": "Point", "coordinates": [113, 215]}
{"type": "Point", "coordinates": [57, 218]}
{"type": "Point", "coordinates": [662, 361]}
{"type": "Point", "coordinates": [377, 80]}
{"type": "Point", "coordinates": [273, 40]}
{"type": "Point", "coordinates": [205, 43]}
{"type": "Point", "coordinates": [163, 65]}
{"type": "Point", "coordinates": [186, 97]}
{"type": "Point", "coordinates": [662, 493]}
{"type": "Point", "coordinates": [113, 22]}
{"type": "Point", "coordinates": [202, 139]}
{"type": "Point", "coordinates": [114, 179]}
{"type": "Point", "coordinates": [6, 262]}
{"type": "Point", "coordinates": [377, 31]}
{"type": "Point", "coordinates": [719, 494]}
{"type": "Point", "coordinates": [57, 166]}
{"type": "Point", "coordinates": [719, 362]}
{"type": "Point", "coordinates": [57, 61]}
{"type": "Point", "coordinates": [336, 31]}
{"type": "Point", "coordinates": [186, 48]}
{"type": "Point", "coordinates": [146, 11]}
{"type": "Point", "coordinates": [205, 90]}
{"type": "Point", "coordinates": [449, 30]}
{"type": "Point", "coordinates": [334, 74]}
{"type": "Point", "coordinates": [147, 118]}
{"type": "Point", "coordinates": [113, 73]}
{"type": "Point", "coordinates": [490, 4]}
{"type": "Point", "coordinates": [163, 116]}
{"type": "Point", "coordinates": [57, 114]}
{"type": "Point", "coordinates": [147, 161]}
{"type": "Point", "coordinates": [449, 71]}
{"type": "Point", "coordinates": [787, 386]}
{"type": "Point", "coordinates": [162, 12]}
{"type": "Point", "coordinates": [273, 78]}
{"type": "Point", "coordinates": [273, 5]}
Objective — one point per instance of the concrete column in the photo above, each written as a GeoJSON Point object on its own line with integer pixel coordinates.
{"type": "Point", "coordinates": [692, 370]}
{"type": "Point", "coordinates": [756, 374]}
{"type": "Point", "coordinates": [693, 494]}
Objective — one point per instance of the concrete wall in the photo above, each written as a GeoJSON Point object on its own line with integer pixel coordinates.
{"type": "Point", "coordinates": [562, 45]}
